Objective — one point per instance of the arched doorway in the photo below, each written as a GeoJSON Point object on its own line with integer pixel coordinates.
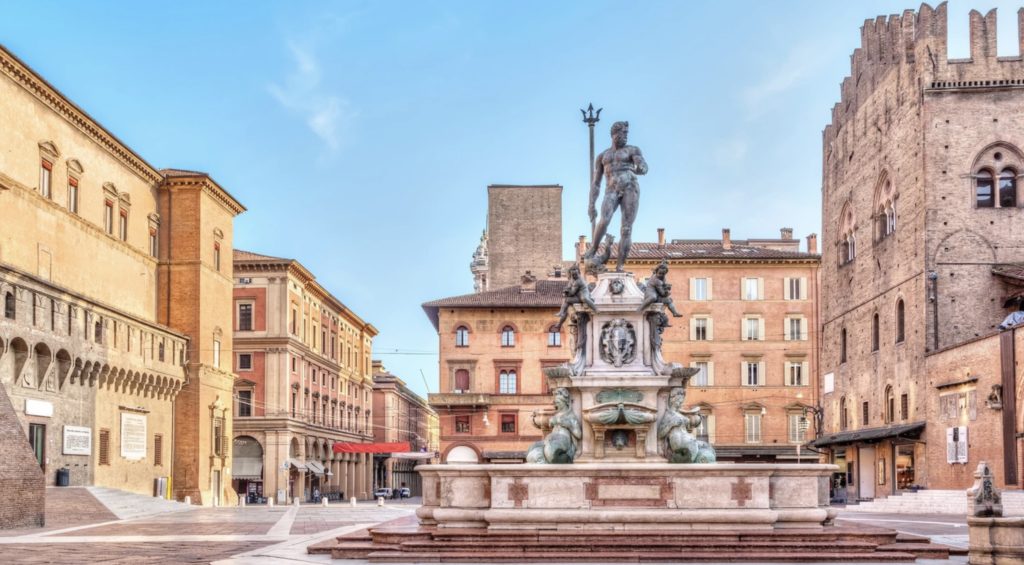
{"type": "Point", "coordinates": [247, 469]}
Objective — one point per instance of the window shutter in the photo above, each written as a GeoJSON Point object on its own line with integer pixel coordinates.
{"type": "Point", "coordinates": [693, 289]}
{"type": "Point", "coordinates": [711, 373]}
{"type": "Point", "coordinates": [762, 377]}
{"type": "Point", "coordinates": [785, 328]}
{"type": "Point", "coordinates": [743, 329]}
{"type": "Point", "coordinates": [693, 329]}
{"type": "Point", "coordinates": [711, 329]}
{"type": "Point", "coordinates": [711, 428]}
{"type": "Point", "coordinates": [972, 405]}
{"type": "Point", "coordinates": [743, 288]}
{"type": "Point", "coordinates": [803, 288]}
{"type": "Point", "coordinates": [805, 375]}
{"type": "Point", "coordinates": [760, 288]}
{"type": "Point", "coordinates": [950, 446]}
{"type": "Point", "coordinates": [104, 447]}
{"type": "Point", "coordinates": [803, 329]}
{"type": "Point", "coordinates": [785, 289]}
{"type": "Point", "coordinates": [760, 329]}
{"type": "Point", "coordinates": [709, 288]}
{"type": "Point", "coordinates": [744, 371]}
{"type": "Point", "coordinates": [961, 449]}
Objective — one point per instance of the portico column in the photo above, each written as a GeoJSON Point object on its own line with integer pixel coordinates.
{"type": "Point", "coordinates": [368, 472]}
{"type": "Point", "coordinates": [350, 476]}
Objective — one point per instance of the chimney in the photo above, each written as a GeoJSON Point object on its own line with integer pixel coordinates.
{"type": "Point", "coordinates": [581, 247]}
{"type": "Point", "coordinates": [812, 243]}
{"type": "Point", "coordinates": [787, 233]}
{"type": "Point", "coordinates": [726, 240]}
{"type": "Point", "coordinates": [529, 283]}
{"type": "Point", "coordinates": [661, 237]}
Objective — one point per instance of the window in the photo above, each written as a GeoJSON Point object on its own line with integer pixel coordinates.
{"type": "Point", "coordinates": [45, 172]}
{"type": "Point", "coordinates": [37, 440]}
{"type": "Point", "coordinates": [108, 217]}
{"type": "Point", "coordinates": [752, 329]}
{"type": "Point", "coordinates": [700, 329]}
{"type": "Point", "coordinates": [295, 317]}
{"type": "Point", "coordinates": [1008, 188]}
{"type": "Point", "coordinates": [847, 240]}
{"type": "Point", "coordinates": [245, 403]}
{"type": "Point", "coordinates": [122, 226]}
{"type": "Point", "coordinates": [753, 373]}
{"type": "Point", "coordinates": [794, 329]}
{"type": "Point", "coordinates": [701, 378]}
{"type": "Point", "coordinates": [245, 361]}
{"type": "Point", "coordinates": [899, 321]}
{"type": "Point", "coordinates": [844, 415]}
{"type": "Point", "coordinates": [983, 190]}
{"type": "Point", "coordinates": [554, 337]}
{"type": "Point", "coordinates": [160, 349]}
{"type": "Point", "coordinates": [158, 450]}
{"type": "Point", "coordinates": [508, 423]}
{"type": "Point", "coordinates": [890, 405]}
{"type": "Point", "coordinates": [874, 332]}
{"type": "Point", "coordinates": [216, 353]}
{"type": "Point", "coordinates": [750, 289]}
{"type": "Point", "coordinates": [462, 424]}
{"type": "Point", "coordinates": [864, 413]}
{"type": "Point", "coordinates": [216, 255]}
{"type": "Point", "coordinates": [703, 431]}
{"type": "Point", "coordinates": [294, 364]}
{"type": "Point", "coordinates": [797, 427]}
{"type": "Point", "coordinates": [218, 437]}
{"type": "Point", "coordinates": [507, 382]}
{"type": "Point", "coordinates": [508, 337]}
{"type": "Point", "coordinates": [104, 446]}
{"type": "Point", "coordinates": [904, 406]}
{"type": "Point", "coordinates": [462, 336]}
{"type": "Point", "coordinates": [842, 345]}
{"type": "Point", "coordinates": [462, 380]}
{"type": "Point", "coordinates": [73, 195]}
{"type": "Point", "coordinates": [295, 396]}
{"type": "Point", "coordinates": [154, 243]}
{"type": "Point", "coordinates": [752, 427]}
{"type": "Point", "coordinates": [795, 374]}
{"type": "Point", "coordinates": [700, 289]}
{"type": "Point", "coordinates": [9, 307]}
{"type": "Point", "coordinates": [245, 316]}
{"type": "Point", "coordinates": [794, 288]}
{"type": "Point", "coordinates": [97, 332]}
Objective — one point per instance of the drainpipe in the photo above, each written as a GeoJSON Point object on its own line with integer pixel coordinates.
{"type": "Point", "coordinates": [934, 299]}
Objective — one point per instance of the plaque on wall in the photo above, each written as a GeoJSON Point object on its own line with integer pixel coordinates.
{"type": "Point", "coordinates": [77, 440]}
{"type": "Point", "coordinates": [133, 436]}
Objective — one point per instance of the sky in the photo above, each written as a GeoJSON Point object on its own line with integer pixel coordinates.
{"type": "Point", "coordinates": [361, 136]}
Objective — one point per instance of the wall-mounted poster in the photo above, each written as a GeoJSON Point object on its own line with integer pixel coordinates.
{"type": "Point", "coordinates": [133, 436]}
{"type": "Point", "coordinates": [77, 440]}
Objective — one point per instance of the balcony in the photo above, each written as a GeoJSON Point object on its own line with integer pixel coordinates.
{"type": "Point", "coordinates": [456, 399]}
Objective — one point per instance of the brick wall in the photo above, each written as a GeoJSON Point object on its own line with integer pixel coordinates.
{"type": "Point", "coordinates": [21, 479]}
{"type": "Point", "coordinates": [524, 228]}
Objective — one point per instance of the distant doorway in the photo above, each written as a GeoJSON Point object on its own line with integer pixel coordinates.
{"type": "Point", "coordinates": [866, 484]}
{"type": "Point", "coordinates": [37, 439]}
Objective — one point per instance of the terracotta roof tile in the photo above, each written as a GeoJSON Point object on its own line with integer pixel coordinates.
{"type": "Point", "coordinates": [242, 255]}
{"type": "Point", "coordinates": [1013, 271]}
{"type": "Point", "coordinates": [182, 173]}
{"type": "Point", "coordinates": [547, 295]}
{"type": "Point", "coordinates": [709, 249]}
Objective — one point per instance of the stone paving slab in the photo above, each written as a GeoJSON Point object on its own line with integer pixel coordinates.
{"type": "Point", "coordinates": [179, 529]}
{"type": "Point", "coordinates": [124, 553]}
{"type": "Point", "coordinates": [67, 507]}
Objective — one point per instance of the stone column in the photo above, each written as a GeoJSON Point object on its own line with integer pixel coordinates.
{"type": "Point", "coordinates": [350, 476]}
{"type": "Point", "coordinates": [368, 473]}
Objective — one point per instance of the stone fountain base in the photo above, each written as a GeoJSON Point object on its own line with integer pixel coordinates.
{"type": "Point", "coordinates": [625, 496]}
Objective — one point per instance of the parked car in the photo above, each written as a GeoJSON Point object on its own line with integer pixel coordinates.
{"type": "Point", "coordinates": [404, 492]}
{"type": "Point", "coordinates": [383, 491]}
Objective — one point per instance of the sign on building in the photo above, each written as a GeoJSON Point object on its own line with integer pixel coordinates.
{"type": "Point", "coordinates": [35, 407]}
{"type": "Point", "coordinates": [133, 436]}
{"type": "Point", "coordinates": [77, 440]}
{"type": "Point", "coordinates": [956, 444]}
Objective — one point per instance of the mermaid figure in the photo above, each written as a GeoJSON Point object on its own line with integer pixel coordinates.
{"type": "Point", "coordinates": [560, 445]}
{"type": "Point", "coordinates": [675, 431]}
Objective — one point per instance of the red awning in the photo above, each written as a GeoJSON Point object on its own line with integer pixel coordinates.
{"type": "Point", "coordinates": [398, 447]}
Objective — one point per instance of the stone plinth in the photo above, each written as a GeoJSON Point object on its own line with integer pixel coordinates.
{"type": "Point", "coordinates": [626, 496]}
{"type": "Point", "coordinates": [997, 541]}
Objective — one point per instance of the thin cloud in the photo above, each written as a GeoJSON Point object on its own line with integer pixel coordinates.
{"type": "Point", "coordinates": [303, 93]}
{"type": "Point", "coordinates": [801, 61]}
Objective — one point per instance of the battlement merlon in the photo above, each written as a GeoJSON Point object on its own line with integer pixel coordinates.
{"type": "Point", "coordinates": [916, 43]}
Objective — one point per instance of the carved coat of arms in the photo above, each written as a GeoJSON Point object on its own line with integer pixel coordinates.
{"type": "Point", "coordinates": [618, 342]}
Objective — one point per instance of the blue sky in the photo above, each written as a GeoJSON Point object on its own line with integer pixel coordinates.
{"type": "Point", "coordinates": [362, 135]}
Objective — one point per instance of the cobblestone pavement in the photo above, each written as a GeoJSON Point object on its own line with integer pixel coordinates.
{"type": "Point", "coordinates": [80, 529]}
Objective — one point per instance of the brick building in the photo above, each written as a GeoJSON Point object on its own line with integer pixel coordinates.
{"type": "Point", "coordinates": [110, 275]}
{"type": "Point", "coordinates": [304, 384]}
{"type": "Point", "coordinates": [401, 416]}
{"type": "Point", "coordinates": [921, 213]}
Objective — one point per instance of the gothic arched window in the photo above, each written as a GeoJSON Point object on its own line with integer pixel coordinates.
{"type": "Point", "coordinates": [462, 337]}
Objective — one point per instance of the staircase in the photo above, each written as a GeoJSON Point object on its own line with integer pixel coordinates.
{"type": "Point", "coordinates": [126, 505]}
{"type": "Point", "coordinates": [935, 502]}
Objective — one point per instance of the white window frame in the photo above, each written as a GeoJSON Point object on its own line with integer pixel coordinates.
{"type": "Point", "coordinates": [755, 368]}
{"type": "Point", "coordinates": [795, 432]}
{"type": "Point", "coordinates": [752, 427]}
{"type": "Point", "coordinates": [252, 315]}
{"type": "Point", "coordinates": [758, 326]}
{"type": "Point", "coordinates": [240, 356]}
{"type": "Point", "coordinates": [508, 381]}
{"type": "Point", "coordinates": [802, 368]}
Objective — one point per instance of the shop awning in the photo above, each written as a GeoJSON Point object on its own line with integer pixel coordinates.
{"type": "Point", "coordinates": [398, 447]}
{"type": "Point", "coordinates": [296, 463]}
{"type": "Point", "coordinates": [314, 467]}
{"type": "Point", "coordinates": [870, 435]}
{"type": "Point", "coordinates": [247, 468]}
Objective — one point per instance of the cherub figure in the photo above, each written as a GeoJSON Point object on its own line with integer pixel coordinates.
{"type": "Point", "coordinates": [659, 291]}
{"type": "Point", "coordinates": [576, 292]}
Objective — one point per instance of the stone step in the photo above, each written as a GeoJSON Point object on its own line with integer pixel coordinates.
{"type": "Point", "coordinates": [921, 550]}
{"type": "Point", "coordinates": [632, 557]}
{"type": "Point", "coordinates": [685, 546]}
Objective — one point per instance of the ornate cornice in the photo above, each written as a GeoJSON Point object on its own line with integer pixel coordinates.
{"type": "Point", "coordinates": [43, 91]}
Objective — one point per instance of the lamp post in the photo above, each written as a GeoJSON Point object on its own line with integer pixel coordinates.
{"type": "Point", "coordinates": [591, 118]}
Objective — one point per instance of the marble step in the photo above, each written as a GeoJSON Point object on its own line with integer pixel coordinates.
{"type": "Point", "coordinates": [589, 556]}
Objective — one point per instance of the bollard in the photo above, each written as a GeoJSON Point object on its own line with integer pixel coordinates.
{"type": "Point", "coordinates": [188, 500]}
{"type": "Point", "coordinates": [270, 502]}
{"type": "Point", "coordinates": [323, 502]}
{"type": "Point", "coordinates": [352, 501]}
{"type": "Point", "coordinates": [295, 501]}
{"type": "Point", "coordinates": [380, 501]}
{"type": "Point", "coordinates": [241, 500]}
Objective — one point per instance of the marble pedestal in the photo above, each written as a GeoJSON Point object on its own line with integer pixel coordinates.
{"type": "Point", "coordinates": [996, 540]}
